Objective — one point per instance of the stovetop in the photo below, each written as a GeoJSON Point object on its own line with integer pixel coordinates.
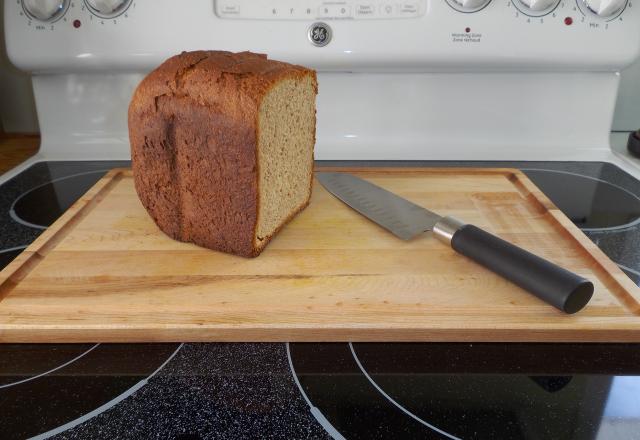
{"type": "Point", "coordinates": [354, 391]}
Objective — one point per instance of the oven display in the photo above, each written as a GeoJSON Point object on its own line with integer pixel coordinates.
{"type": "Point", "coordinates": [318, 9]}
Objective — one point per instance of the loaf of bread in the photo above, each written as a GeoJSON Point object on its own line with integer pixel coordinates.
{"type": "Point", "coordinates": [222, 147]}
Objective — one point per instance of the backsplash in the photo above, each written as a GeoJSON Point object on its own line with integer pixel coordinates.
{"type": "Point", "coordinates": [627, 116]}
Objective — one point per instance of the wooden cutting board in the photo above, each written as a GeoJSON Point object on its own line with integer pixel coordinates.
{"type": "Point", "coordinates": [104, 272]}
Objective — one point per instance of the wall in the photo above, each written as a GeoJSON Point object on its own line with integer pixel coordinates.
{"type": "Point", "coordinates": [627, 116]}
{"type": "Point", "coordinates": [17, 107]}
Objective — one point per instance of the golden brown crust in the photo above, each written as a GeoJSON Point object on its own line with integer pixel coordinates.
{"type": "Point", "coordinates": [193, 132]}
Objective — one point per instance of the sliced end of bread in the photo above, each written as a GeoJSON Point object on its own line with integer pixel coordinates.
{"type": "Point", "coordinates": [286, 136]}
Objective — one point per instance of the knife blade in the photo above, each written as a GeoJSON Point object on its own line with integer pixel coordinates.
{"type": "Point", "coordinates": [557, 286]}
{"type": "Point", "coordinates": [396, 214]}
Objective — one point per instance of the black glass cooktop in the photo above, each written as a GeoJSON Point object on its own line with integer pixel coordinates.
{"type": "Point", "coordinates": [354, 391]}
{"type": "Point", "coordinates": [488, 391]}
{"type": "Point", "coordinates": [589, 202]}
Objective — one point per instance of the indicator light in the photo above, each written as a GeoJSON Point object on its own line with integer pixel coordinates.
{"type": "Point", "coordinates": [568, 21]}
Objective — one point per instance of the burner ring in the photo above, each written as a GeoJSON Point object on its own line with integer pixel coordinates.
{"type": "Point", "coordinates": [30, 203]}
{"type": "Point", "coordinates": [315, 412]}
{"type": "Point", "coordinates": [394, 402]}
{"type": "Point", "coordinates": [14, 249]}
{"type": "Point", "coordinates": [594, 205]}
{"type": "Point", "coordinates": [30, 378]}
{"type": "Point", "coordinates": [9, 254]}
{"type": "Point", "coordinates": [75, 422]}
{"type": "Point", "coordinates": [87, 370]}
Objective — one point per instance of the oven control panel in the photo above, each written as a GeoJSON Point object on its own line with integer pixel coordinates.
{"type": "Point", "coordinates": [318, 9]}
{"type": "Point", "coordinates": [328, 35]}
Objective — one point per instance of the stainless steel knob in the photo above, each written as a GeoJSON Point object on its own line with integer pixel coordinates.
{"type": "Point", "coordinates": [45, 10]}
{"type": "Point", "coordinates": [468, 5]}
{"type": "Point", "coordinates": [107, 8]}
{"type": "Point", "coordinates": [536, 6]}
{"type": "Point", "coordinates": [605, 8]}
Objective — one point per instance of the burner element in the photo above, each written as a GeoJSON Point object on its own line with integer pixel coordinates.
{"type": "Point", "coordinates": [42, 205]}
{"type": "Point", "coordinates": [590, 203]}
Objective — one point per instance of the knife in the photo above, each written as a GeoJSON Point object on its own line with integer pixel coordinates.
{"type": "Point", "coordinates": [559, 287]}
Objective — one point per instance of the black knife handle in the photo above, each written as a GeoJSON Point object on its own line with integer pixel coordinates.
{"type": "Point", "coordinates": [551, 283]}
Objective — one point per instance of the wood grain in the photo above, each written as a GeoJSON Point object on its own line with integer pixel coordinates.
{"type": "Point", "coordinates": [104, 272]}
{"type": "Point", "coordinates": [15, 149]}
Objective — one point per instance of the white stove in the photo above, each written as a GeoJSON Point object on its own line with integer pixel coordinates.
{"type": "Point", "coordinates": [511, 81]}
{"type": "Point", "coordinates": [417, 80]}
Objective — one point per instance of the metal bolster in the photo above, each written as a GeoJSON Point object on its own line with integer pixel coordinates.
{"type": "Point", "coordinates": [445, 228]}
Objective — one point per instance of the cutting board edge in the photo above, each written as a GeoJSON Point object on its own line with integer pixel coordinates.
{"type": "Point", "coordinates": [621, 286]}
{"type": "Point", "coordinates": [31, 256]}
{"type": "Point", "coordinates": [293, 334]}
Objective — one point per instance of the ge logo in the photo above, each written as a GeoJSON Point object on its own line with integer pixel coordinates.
{"type": "Point", "coordinates": [319, 34]}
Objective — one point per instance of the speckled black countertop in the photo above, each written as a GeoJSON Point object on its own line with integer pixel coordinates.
{"type": "Point", "coordinates": [193, 391]}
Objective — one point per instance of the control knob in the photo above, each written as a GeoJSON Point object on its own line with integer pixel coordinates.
{"type": "Point", "coordinates": [538, 5]}
{"type": "Point", "coordinates": [468, 5]}
{"type": "Point", "coordinates": [45, 10]}
{"type": "Point", "coordinates": [605, 8]}
{"type": "Point", "coordinates": [107, 8]}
